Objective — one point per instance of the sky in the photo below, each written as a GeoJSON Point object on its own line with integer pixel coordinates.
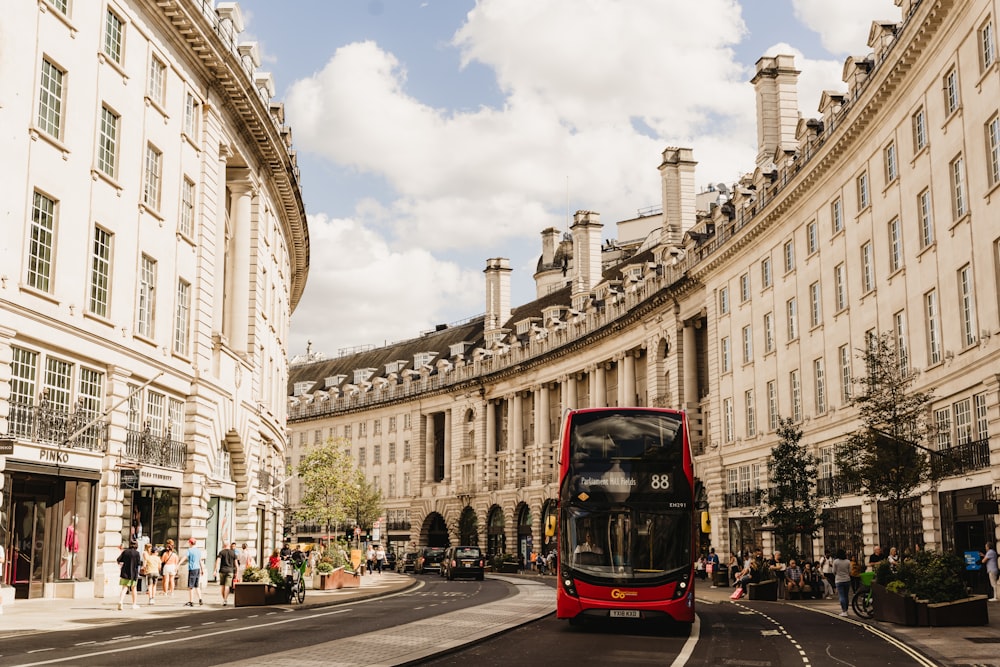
{"type": "Point", "coordinates": [435, 134]}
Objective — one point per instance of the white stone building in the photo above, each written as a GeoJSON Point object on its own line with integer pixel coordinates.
{"type": "Point", "coordinates": [740, 305]}
{"type": "Point", "coordinates": [155, 244]}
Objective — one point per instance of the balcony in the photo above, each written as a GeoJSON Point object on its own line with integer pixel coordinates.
{"type": "Point", "coordinates": [743, 498]}
{"type": "Point", "coordinates": [163, 451]}
{"type": "Point", "coordinates": [51, 424]}
{"type": "Point", "coordinates": [265, 480]}
{"type": "Point", "coordinates": [961, 459]}
{"type": "Point", "coordinates": [835, 486]}
{"type": "Point", "coordinates": [398, 525]}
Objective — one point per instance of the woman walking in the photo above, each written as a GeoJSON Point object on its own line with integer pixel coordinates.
{"type": "Point", "coordinates": [131, 561]}
{"type": "Point", "coordinates": [842, 578]}
{"type": "Point", "coordinates": [170, 560]}
{"type": "Point", "coordinates": [151, 564]}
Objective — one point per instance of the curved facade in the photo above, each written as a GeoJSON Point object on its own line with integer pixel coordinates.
{"type": "Point", "coordinates": [155, 247]}
{"type": "Point", "coordinates": [740, 305]}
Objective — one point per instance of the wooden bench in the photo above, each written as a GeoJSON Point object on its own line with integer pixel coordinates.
{"type": "Point", "coordinates": [763, 590]}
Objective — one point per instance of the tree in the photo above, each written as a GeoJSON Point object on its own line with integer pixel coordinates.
{"type": "Point", "coordinates": [791, 502]}
{"type": "Point", "coordinates": [330, 484]}
{"type": "Point", "coordinates": [884, 458]}
{"type": "Point", "coordinates": [369, 503]}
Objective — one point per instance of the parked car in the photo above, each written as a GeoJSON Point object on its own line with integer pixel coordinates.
{"type": "Point", "coordinates": [406, 562]}
{"type": "Point", "coordinates": [429, 560]}
{"type": "Point", "coordinates": [390, 560]}
{"type": "Point", "coordinates": [463, 562]}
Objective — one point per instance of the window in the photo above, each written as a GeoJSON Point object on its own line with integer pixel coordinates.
{"type": "Point", "coordinates": [751, 413]}
{"type": "Point", "coordinates": [987, 47]}
{"type": "Point", "coordinates": [724, 301]}
{"type": "Point", "coordinates": [406, 421]}
{"type": "Point", "coordinates": [962, 411]}
{"type": "Point", "coordinates": [40, 249]}
{"type": "Point", "coordinates": [363, 430]}
{"type": "Point", "coordinates": [895, 245]}
{"type": "Point", "coordinates": [891, 165]}
{"type": "Point", "coordinates": [795, 385]}
{"type": "Point", "coordinates": [100, 273]}
{"type": "Point", "coordinates": [155, 412]}
{"type": "Point", "coordinates": [348, 431]}
{"type": "Point", "coordinates": [151, 183]}
{"type": "Point", "coordinates": [50, 99]}
{"type": "Point", "coordinates": [919, 130]}
{"type": "Point", "coordinates": [867, 268]}
{"type": "Point", "coordinates": [846, 377]}
{"type": "Point", "coordinates": [772, 404]}
{"type": "Point", "coordinates": [765, 273]}
{"type": "Point", "coordinates": [959, 205]}
{"type": "Point", "coordinates": [789, 252]}
{"type": "Point", "coordinates": [993, 149]}
{"type": "Point", "coordinates": [951, 101]}
{"type": "Point", "coordinates": [190, 115]}
{"type": "Point", "coordinates": [727, 424]}
{"type": "Point", "coordinates": [840, 286]}
{"type": "Point", "coordinates": [392, 451]}
{"type": "Point", "coordinates": [744, 288]}
{"type": "Point", "coordinates": [392, 429]}
{"type": "Point", "coordinates": [926, 219]}
{"type": "Point", "coordinates": [185, 224]}
{"type": "Point", "coordinates": [377, 428]}
{"type": "Point", "coordinates": [114, 37]}
{"type": "Point", "coordinates": [982, 417]}
{"type": "Point", "coordinates": [147, 283]}
{"type": "Point", "coordinates": [157, 81]}
{"type": "Point", "coordinates": [792, 311]}
{"type": "Point", "coordinates": [725, 359]}
{"type": "Point", "coordinates": [107, 143]}
{"type": "Point", "coordinates": [864, 196]}
{"type": "Point", "coordinates": [933, 327]}
{"type": "Point", "coordinates": [362, 456]}
{"type": "Point", "coordinates": [837, 215]}
{"type": "Point", "coordinates": [899, 330]}
{"type": "Point", "coordinates": [182, 317]}
{"type": "Point", "coordinates": [942, 428]}
{"type": "Point", "coordinates": [747, 344]}
{"type": "Point", "coordinates": [768, 332]}
{"type": "Point", "coordinates": [967, 304]}
{"type": "Point", "coordinates": [62, 6]}
{"type": "Point", "coordinates": [812, 237]}
{"type": "Point", "coordinates": [819, 375]}
{"type": "Point", "coordinates": [815, 305]}
{"type": "Point", "coordinates": [377, 454]}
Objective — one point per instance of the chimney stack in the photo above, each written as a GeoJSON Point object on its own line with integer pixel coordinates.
{"type": "Point", "coordinates": [777, 106]}
{"type": "Point", "coordinates": [586, 231]}
{"type": "Point", "coordinates": [679, 199]}
{"type": "Point", "coordinates": [497, 293]}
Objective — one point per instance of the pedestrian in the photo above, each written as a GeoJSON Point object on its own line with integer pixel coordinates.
{"type": "Point", "coordinates": [246, 560]}
{"type": "Point", "coordinates": [893, 558]}
{"type": "Point", "coordinates": [151, 565]}
{"type": "Point", "coordinates": [379, 558]}
{"type": "Point", "coordinates": [286, 550]}
{"type": "Point", "coordinates": [776, 565]}
{"type": "Point", "coordinates": [195, 560]}
{"type": "Point", "coordinates": [712, 565]}
{"type": "Point", "coordinates": [794, 583]}
{"type": "Point", "coordinates": [131, 562]}
{"type": "Point", "coordinates": [855, 573]}
{"type": "Point", "coordinates": [826, 567]}
{"type": "Point", "coordinates": [842, 578]}
{"type": "Point", "coordinates": [990, 558]}
{"type": "Point", "coordinates": [170, 559]}
{"type": "Point", "coordinates": [875, 558]}
{"type": "Point", "coordinates": [274, 561]}
{"type": "Point", "coordinates": [225, 569]}
{"type": "Point", "coordinates": [370, 559]}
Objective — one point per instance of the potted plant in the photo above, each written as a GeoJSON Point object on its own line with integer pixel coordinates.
{"type": "Point", "coordinates": [927, 589]}
{"type": "Point", "coordinates": [259, 586]}
{"type": "Point", "coordinates": [505, 563]}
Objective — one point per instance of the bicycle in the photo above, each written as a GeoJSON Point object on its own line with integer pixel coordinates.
{"type": "Point", "coordinates": [862, 600]}
{"type": "Point", "coordinates": [295, 583]}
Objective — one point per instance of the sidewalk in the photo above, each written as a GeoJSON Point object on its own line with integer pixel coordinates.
{"type": "Point", "coordinates": [970, 645]}
{"type": "Point", "coordinates": [23, 617]}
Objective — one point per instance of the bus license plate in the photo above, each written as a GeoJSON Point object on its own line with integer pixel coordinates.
{"type": "Point", "coordinates": [624, 613]}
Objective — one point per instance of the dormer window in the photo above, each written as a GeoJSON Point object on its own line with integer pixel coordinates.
{"type": "Point", "coordinates": [299, 388]}
{"type": "Point", "coordinates": [333, 381]}
{"type": "Point", "coordinates": [421, 359]}
{"type": "Point", "coordinates": [362, 374]}
{"type": "Point", "coordinates": [394, 366]}
{"type": "Point", "coordinates": [458, 349]}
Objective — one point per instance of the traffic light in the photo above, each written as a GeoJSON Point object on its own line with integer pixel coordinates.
{"type": "Point", "coordinates": [706, 522]}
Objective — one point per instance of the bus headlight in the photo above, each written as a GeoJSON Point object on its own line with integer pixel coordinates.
{"type": "Point", "coordinates": [569, 587]}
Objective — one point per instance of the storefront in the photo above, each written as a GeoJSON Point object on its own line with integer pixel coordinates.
{"type": "Point", "coordinates": [152, 502]}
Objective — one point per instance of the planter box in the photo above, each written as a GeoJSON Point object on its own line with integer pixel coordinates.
{"type": "Point", "coordinates": [508, 568]}
{"type": "Point", "coordinates": [324, 582]}
{"type": "Point", "coordinates": [345, 579]}
{"type": "Point", "coordinates": [893, 607]}
{"type": "Point", "coordinates": [764, 590]}
{"type": "Point", "coordinates": [256, 594]}
{"type": "Point", "coordinates": [969, 611]}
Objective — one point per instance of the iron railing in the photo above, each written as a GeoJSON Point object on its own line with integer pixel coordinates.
{"type": "Point", "coordinates": [835, 486]}
{"type": "Point", "coordinates": [961, 459]}
{"type": "Point", "coordinates": [160, 450]}
{"type": "Point", "coordinates": [750, 498]}
{"type": "Point", "coordinates": [45, 422]}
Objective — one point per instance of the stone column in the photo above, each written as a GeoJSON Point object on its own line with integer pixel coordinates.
{"type": "Point", "coordinates": [447, 445]}
{"type": "Point", "coordinates": [542, 415]}
{"type": "Point", "coordinates": [628, 381]}
{"type": "Point", "coordinates": [569, 393]}
{"type": "Point", "coordinates": [599, 393]}
{"type": "Point", "coordinates": [690, 357]}
{"type": "Point", "coordinates": [239, 295]}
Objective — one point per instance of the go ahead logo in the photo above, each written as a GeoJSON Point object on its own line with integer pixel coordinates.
{"type": "Point", "coordinates": [619, 594]}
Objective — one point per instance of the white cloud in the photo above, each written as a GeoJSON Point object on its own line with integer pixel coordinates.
{"type": "Point", "coordinates": [816, 76]}
{"type": "Point", "coordinates": [843, 25]}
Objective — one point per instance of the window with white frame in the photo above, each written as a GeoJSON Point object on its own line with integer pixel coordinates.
{"type": "Point", "coordinates": [789, 254]}
{"type": "Point", "coordinates": [766, 276]}
{"type": "Point", "coordinates": [827, 462]}
{"type": "Point", "coordinates": [899, 331]}
{"type": "Point", "coordinates": [362, 456]}
{"type": "Point", "coordinates": [993, 150]}
{"type": "Point", "coordinates": [772, 404]}
{"type": "Point", "coordinates": [157, 89]}
{"type": "Point", "coordinates": [840, 286]}
{"type": "Point", "coordinates": [819, 377]}
{"type": "Point", "coordinates": [114, 37]}
{"type": "Point", "coordinates": [392, 426]}
{"type": "Point", "coordinates": [145, 301]}
{"type": "Point", "coordinates": [100, 272]}
{"type": "Point", "coordinates": [837, 215]}
{"type": "Point", "coordinates": [50, 99]}
{"type": "Point", "coordinates": [982, 417]}
{"type": "Point", "coordinates": [795, 385]}
{"type": "Point", "coordinates": [182, 317]}
{"type": "Point", "coordinates": [963, 421]}
{"type": "Point", "coordinates": [725, 360]}
{"type": "Point", "coordinates": [895, 245]}
{"type": "Point", "coordinates": [156, 404]}
{"type": "Point", "coordinates": [744, 288]}
{"type": "Point", "coordinates": [959, 202]}
{"type": "Point", "coordinates": [768, 332]}
{"type": "Point", "coordinates": [926, 219]}
{"type": "Point", "coordinates": [107, 143]}
{"type": "Point", "coordinates": [967, 306]}
{"type": "Point", "coordinates": [891, 163]}
{"type": "Point", "coordinates": [377, 454]}
{"type": "Point", "coordinates": [812, 238]}
{"type": "Point", "coordinates": [750, 409]}
{"type": "Point", "coordinates": [919, 130]}
{"type": "Point", "coordinates": [864, 195]}
{"type": "Point", "coordinates": [190, 115]}
{"type": "Point", "coordinates": [185, 223]}
{"type": "Point", "coordinates": [23, 376]}
{"type": "Point", "coordinates": [406, 450]}
{"type": "Point", "coordinates": [406, 421]}
{"type": "Point", "coordinates": [41, 242]}
{"type": "Point", "coordinates": [747, 344]}
{"type": "Point", "coordinates": [951, 94]}
{"type": "Point", "coordinates": [377, 426]}
{"type": "Point", "coordinates": [151, 177]}
{"type": "Point", "coordinates": [933, 326]}
{"type": "Point", "coordinates": [987, 45]}
{"type": "Point", "coordinates": [815, 305]}
{"type": "Point", "coordinates": [846, 376]}
{"type": "Point", "coordinates": [728, 430]}
{"type": "Point", "coordinates": [942, 428]}
{"type": "Point", "coordinates": [175, 419]}
{"type": "Point", "coordinates": [724, 300]}
{"type": "Point", "coordinates": [867, 268]}
{"type": "Point", "coordinates": [62, 6]}
{"type": "Point", "coordinates": [58, 383]}
{"type": "Point", "coordinates": [792, 312]}
{"type": "Point", "coordinates": [363, 430]}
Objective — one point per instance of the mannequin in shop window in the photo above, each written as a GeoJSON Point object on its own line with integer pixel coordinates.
{"type": "Point", "coordinates": [136, 525]}
{"type": "Point", "coordinates": [71, 546]}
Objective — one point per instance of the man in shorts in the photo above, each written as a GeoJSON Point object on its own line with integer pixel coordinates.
{"type": "Point", "coordinates": [225, 569]}
{"type": "Point", "coordinates": [195, 560]}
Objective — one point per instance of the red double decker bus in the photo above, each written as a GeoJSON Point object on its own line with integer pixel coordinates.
{"type": "Point", "coordinates": [626, 516]}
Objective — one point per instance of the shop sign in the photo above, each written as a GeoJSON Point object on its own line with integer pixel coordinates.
{"type": "Point", "coordinates": [161, 477]}
{"type": "Point", "coordinates": [57, 456]}
{"type": "Point", "coordinates": [6, 446]}
{"type": "Point", "coordinates": [128, 479]}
